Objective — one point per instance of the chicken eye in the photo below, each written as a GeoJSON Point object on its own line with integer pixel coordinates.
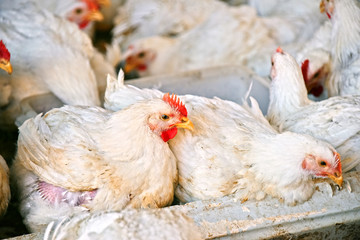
{"type": "Point", "coordinates": [165, 117]}
{"type": "Point", "coordinates": [141, 54]}
{"type": "Point", "coordinates": [323, 163]}
{"type": "Point", "coordinates": [78, 11]}
{"type": "Point", "coordinates": [272, 63]}
{"type": "Point", "coordinates": [316, 74]}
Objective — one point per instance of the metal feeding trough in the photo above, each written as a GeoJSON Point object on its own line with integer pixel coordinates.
{"type": "Point", "coordinates": [330, 213]}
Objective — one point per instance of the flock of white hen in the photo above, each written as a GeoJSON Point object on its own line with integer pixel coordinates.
{"type": "Point", "coordinates": [91, 145]}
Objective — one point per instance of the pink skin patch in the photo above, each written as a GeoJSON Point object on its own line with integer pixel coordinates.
{"type": "Point", "coordinates": [55, 194]}
{"type": "Point", "coordinates": [311, 166]}
{"type": "Point", "coordinates": [169, 134]}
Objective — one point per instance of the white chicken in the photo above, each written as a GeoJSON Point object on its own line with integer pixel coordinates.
{"type": "Point", "coordinates": [233, 150]}
{"type": "Point", "coordinates": [138, 19]}
{"type": "Point", "coordinates": [230, 36]}
{"type": "Point", "coordinates": [76, 158]}
{"type": "Point", "coordinates": [4, 186]}
{"type": "Point", "coordinates": [345, 46]}
{"type": "Point", "coordinates": [289, 24]}
{"type": "Point", "coordinates": [334, 120]}
{"type": "Point", "coordinates": [84, 13]}
{"type": "Point", "coordinates": [48, 55]}
{"type": "Point", "coordinates": [144, 224]}
{"type": "Point", "coordinates": [222, 36]}
{"type": "Point", "coordinates": [5, 88]}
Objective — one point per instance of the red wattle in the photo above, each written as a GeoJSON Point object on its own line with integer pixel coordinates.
{"type": "Point", "coordinates": [169, 134]}
{"type": "Point", "coordinates": [142, 67]}
{"type": "Point", "coordinates": [317, 91]}
{"type": "Point", "coordinates": [83, 24]}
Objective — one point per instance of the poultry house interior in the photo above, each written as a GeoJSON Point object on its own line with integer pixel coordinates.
{"type": "Point", "coordinates": [159, 119]}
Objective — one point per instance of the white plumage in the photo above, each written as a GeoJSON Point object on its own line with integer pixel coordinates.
{"type": "Point", "coordinates": [225, 36]}
{"type": "Point", "coordinates": [145, 224]}
{"type": "Point", "coordinates": [290, 21]}
{"type": "Point", "coordinates": [83, 13]}
{"type": "Point", "coordinates": [334, 120]}
{"type": "Point", "coordinates": [48, 55]}
{"type": "Point", "coordinates": [345, 47]}
{"type": "Point", "coordinates": [234, 150]}
{"type": "Point", "coordinates": [230, 36]}
{"type": "Point", "coordinates": [138, 19]}
{"type": "Point", "coordinates": [76, 158]}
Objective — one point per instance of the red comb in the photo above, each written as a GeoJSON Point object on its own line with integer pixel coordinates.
{"type": "Point", "coordinates": [4, 52]}
{"type": "Point", "coordinates": [305, 69]}
{"type": "Point", "coordinates": [279, 50]}
{"type": "Point", "coordinates": [92, 5]}
{"type": "Point", "coordinates": [175, 102]}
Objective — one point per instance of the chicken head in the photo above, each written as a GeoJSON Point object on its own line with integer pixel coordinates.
{"type": "Point", "coordinates": [138, 60]}
{"type": "Point", "coordinates": [281, 60]}
{"type": "Point", "coordinates": [5, 58]}
{"type": "Point", "coordinates": [324, 167]}
{"type": "Point", "coordinates": [149, 56]}
{"type": "Point", "coordinates": [165, 124]}
{"type": "Point", "coordinates": [84, 12]}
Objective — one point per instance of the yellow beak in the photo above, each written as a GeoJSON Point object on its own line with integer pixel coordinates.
{"type": "Point", "coordinates": [6, 66]}
{"type": "Point", "coordinates": [322, 6]}
{"type": "Point", "coordinates": [337, 179]}
{"type": "Point", "coordinates": [185, 123]}
{"type": "Point", "coordinates": [94, 16]}
{"type": "Point", "coordinates": [129, 67]}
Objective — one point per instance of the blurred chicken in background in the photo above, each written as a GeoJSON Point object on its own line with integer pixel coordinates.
{"type": "Point", "coordinates": [49, 55]}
